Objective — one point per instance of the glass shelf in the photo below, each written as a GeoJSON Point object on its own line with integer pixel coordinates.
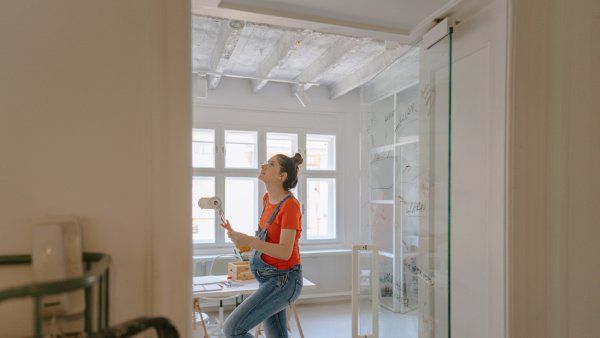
{"type": "Point", "coordinates": [382, 201]}
{"type": "Point", "coordinates": [401, 141]}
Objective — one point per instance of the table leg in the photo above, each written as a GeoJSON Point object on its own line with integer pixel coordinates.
{"type": "Point", "coordinates": [221, 315]}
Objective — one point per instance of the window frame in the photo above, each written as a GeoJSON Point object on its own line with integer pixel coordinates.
{"type": "Point", "coordinates": [220, 173]}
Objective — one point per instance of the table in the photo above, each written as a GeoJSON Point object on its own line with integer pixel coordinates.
{"type": "Point", "coordinates": [215, 287]}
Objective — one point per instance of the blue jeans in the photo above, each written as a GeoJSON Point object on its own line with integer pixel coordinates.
{"type": "Point", "coordinates": [277, 290]}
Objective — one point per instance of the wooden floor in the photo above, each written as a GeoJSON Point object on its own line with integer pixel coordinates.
{"type": "Point", "coordinates": [334, 320]}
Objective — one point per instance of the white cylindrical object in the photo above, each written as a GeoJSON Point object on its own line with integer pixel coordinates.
{"type": "Point", "coordinates": [209, 203]}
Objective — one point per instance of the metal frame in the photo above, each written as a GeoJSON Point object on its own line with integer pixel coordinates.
{"type": "Point", "coordinates": [96, 275]}
{"type": "Point", "coordinates": [256, 78]}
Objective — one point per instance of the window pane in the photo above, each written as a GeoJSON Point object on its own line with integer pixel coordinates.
{"type": "Point", "coordinates": [320, 218]}
{"type": "Point", "coordinates": [241, 205]}
{"type": "Point", "coordinates": [320, 152]}
{"type": "Point", "coordinates": [203, 155]}
{"type": "Point", "coordinates": [203, 135]}
{"type": "Point", "coordinates": [279, 143]}
{"type": "Point", "coordinates": [240, 149]}
{"type": "Point", "coordinates": [203, 148]}
{"type": "Point", "coordinates": [203, 220]}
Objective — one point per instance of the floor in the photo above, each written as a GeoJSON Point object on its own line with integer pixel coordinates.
{"type": "Point", "coordinates": [334, 320]}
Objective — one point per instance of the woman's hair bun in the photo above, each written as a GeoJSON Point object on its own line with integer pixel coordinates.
{"type": "Point", "coordinates": [298, 159]}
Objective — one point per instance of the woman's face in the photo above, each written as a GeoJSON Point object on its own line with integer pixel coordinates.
{"type": "Point", "coordinates": [270, 171]}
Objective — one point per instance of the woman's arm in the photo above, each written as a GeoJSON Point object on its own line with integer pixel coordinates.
{"type": "Point", "coordinates": [282, 250]}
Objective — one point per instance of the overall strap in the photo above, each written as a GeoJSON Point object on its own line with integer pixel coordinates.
{"type": "Point", "coordinates": [276, 211]}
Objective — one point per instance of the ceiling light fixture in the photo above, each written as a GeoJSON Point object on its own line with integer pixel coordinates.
{"type": "Point", "coordinates": [236, 24]}
{"type": "Point", "coordinates": [200, 86]}
{"type": "Point", "coordinates": [300, 94]}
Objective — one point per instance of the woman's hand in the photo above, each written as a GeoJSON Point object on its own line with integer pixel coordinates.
{"type": "Point", "coordinates": [227, 226]}
{"type": "Point", "coordinates": [240, 239]}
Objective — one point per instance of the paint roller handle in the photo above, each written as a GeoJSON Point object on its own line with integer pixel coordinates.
{"type": "Point", "coordinates": [227, 226]}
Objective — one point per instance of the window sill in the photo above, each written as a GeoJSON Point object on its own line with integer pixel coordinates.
{"type": "Point", "coordinates": [325, 252]}
{"type": "Point", "coordinates": [333, 246]}
{"type": "Point", "coordinates": [303, 253]}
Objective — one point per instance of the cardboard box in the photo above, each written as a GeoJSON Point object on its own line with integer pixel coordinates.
{"type": "Point", "coordinates": [239, 270]}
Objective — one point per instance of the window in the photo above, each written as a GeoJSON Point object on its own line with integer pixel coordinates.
{"type": "Point", "coordinates": [203, 148]}
{"type": "Point", "coordinates": [320, 214]}
{"type": "Point", "coordinates": [225, 164]}
{"type": "Point", "coordinates": [240, 149]}
{"type": "Point", "coordinates": [279, 143]}
{"type": "Point", "coordinates": [320, 151]}
{"type": "Point", "coordinates": [241, 205]}
{"type": "Point", "coordinates": [203, 230]}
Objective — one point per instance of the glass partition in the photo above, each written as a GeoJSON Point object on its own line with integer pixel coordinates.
{"type": "Point", "coordinates": [433, 261]}
{"type": "Point", "coordinates": [405, 184]}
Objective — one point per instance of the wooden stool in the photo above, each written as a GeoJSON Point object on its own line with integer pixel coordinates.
{"type": "Point", "coordinates": [291, 308]}
{"type": "Point", "coordinates": [197, 309]}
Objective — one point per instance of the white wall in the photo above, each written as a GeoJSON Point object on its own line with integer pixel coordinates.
{"type": "Point", "coordinates": [478, 174]}
{"type": "Point", "coordinates": [94, 122]}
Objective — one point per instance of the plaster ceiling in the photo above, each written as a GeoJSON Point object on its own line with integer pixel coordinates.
{"type": "Point", "coordinates": [394, 15]}
{"type": "Point", "coordinates": [278, 53]}
{"type": "Point", "coordinates": [337, 44]}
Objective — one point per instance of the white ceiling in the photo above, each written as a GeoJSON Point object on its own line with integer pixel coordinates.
{"type": "Point", "coordinates": [280, 53]}
{"type": "Point", "coordinates": [394, 15]}
{"type": "Point", "coordinates": [339, 44]}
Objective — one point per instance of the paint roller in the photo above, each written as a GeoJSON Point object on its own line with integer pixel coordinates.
{"type": "Point", "coordinates": [216, 204]}
{"type": "Point", "coordinates": [212, 203]}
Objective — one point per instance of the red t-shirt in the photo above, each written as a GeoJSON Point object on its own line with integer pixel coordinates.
{"type": "Point", "coordinates": [289, 217]}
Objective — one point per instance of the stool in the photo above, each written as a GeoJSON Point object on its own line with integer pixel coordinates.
{"type": "Point", "coordinates": [291, 308]}
{"type": "Point", "coordinates": [199, 311]}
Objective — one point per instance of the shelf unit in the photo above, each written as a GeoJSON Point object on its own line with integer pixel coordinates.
{"type": "Point", "coordinates": [390, 192]}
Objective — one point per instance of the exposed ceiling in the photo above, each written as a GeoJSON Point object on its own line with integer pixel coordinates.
{"type": "Point", "coordinates": [338, 44]}
{"type": "Point", "coordinates": [302, 58]}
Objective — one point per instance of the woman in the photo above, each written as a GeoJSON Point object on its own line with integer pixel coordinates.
{"type": "Point", "coordinates": [275, 258]}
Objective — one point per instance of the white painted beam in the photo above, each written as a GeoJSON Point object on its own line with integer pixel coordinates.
{"type": "Point", "coordinates": [329, 60]}
{"type": "Point", "coordinates": [366, 72]}
{"type": "Point", "coordinates": [402, 74]}
{"type": "Point", "coordinates": [226, 43]}
{"type": "Point", "coordinates": [285, 46]}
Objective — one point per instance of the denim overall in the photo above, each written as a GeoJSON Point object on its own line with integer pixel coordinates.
{"type": "Point", "coordinates": [278, 289]}
{"type": "Point", "coordinates": [260, 269]}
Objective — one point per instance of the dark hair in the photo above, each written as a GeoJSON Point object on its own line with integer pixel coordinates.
{"type": "Point", "coordinates": [290, 165]}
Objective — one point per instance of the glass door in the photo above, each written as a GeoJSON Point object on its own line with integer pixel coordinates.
{"type": "Point", "coordinates": [432, 266]}
{"type": "Point", "coordinates": [405, 184]}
